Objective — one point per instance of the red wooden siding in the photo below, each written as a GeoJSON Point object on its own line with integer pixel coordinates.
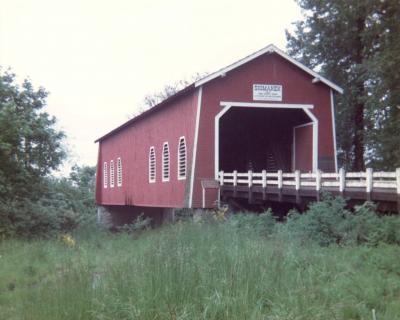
{"type": "Point", "coordinates": [133, 143]}
{"type": "Point", "coordinates": [303, 148]}
{"type": "Point", "coordinates": [177, 118]}
{"type": "Point", "coordinates": [237, 85]}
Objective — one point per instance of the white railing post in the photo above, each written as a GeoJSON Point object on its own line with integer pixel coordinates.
{"type": "Point", "coordinates": [297, 179]}
{"type": "Point", "coordinates": [398, 180]}
{"type": "Point", "coordinates": [250, 173]}
{"type": "Point", "coordinates": [264, 178]}
{"type": "Point", "coordinates": [368, 180]}
{"type": "Point", "coordinates": [221, 178]}
{"type": "Point", "coordinates": [342, 180]}
{"type": "Point", "coordinates": [235, 178]}
{"type": "Point", "coordinates": [280, 180]}
{"type": "Point", "coordinates": [318, 180]}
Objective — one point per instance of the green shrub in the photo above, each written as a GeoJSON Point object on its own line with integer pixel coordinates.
{"type": "Point", "coordinates": [139, 224]}
{"type": "Point", "coordinates": [325, 223]}
{"type": "Point", "coordinates": [321, 223]}
{"type": "Point", "coordinates": [262, 224]}
{"type": "Point", "coordinates": [26, 218]}
{"type": "Point", "coordinates": [329, 222]}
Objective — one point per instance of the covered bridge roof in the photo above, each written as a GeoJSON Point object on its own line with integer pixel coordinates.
{"type": "Point", "coordinates": [268, 49]}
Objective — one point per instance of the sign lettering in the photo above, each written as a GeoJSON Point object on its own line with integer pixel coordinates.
{"type": "Point", "coordinates": [267, 92]}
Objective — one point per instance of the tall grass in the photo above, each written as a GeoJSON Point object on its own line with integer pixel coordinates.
{"type": "Point", "coordinates": [196, 271]}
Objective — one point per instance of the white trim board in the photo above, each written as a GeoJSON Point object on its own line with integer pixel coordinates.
{"type": "Point", "coordinates": [216, 140]}
{"type": "Point", "coordinates": [268, 49]}
{"type": "Point", "coordinates": [334, 130]}
{"type": "Point", "coordinates": [265, 105]}
{"type": "Point", "coordinates": [315, 138]}
{"type": "Point", "coordinates": [227, 105]}
{"type": "Point", "coordinates": [196, 138]}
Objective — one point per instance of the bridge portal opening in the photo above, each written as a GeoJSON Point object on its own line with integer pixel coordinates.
{"type": "Point", "coordinates": [269, 139]}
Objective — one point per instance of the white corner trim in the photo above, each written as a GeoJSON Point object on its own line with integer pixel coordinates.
{"type": "Point", "coordinates": [268, 49]}
{"type": "Point", "coordinates": [216, 139]}
{"type": "Point", "coordinates": [196, 137]}
{"type": "Point", "coordinates": [203, 198]}
{"type": "Point", "coordinates": [294, 143]}
{"type": "Point", "coordinates": [314, 138]}
{"type": "Point", "coordinates": [179, 144]}
{"type": "Point", "coordinates": [265, 105]}
{"type": "Point", "coordinates": [334, 130]}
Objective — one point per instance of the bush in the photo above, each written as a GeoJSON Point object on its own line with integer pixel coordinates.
{"type": "Point", "coordinates": [326, 223]}
{"type": "Point", "coordinates": [321, 223]}
{"type": "Point", "coordinates": [262, 224]}
{"type": "Point", "coordinates": [139, 224]}
{"type": "Point", "coordinates": [26, 218]}
{"type": "Point", "coordinates": [63, 205]}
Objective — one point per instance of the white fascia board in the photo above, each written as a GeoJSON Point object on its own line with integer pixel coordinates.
{"type": "Point", "coordinates": [268, 49]}
{"type": "Point", "coordinates": [334, 129]}
{"type": "Point", "coordinates": [196, 138]}
{"type": "Point", "coordinates": [265, 105]}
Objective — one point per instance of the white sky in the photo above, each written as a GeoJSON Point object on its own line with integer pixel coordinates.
{"type": "Point", "coordinates": [100, 58]}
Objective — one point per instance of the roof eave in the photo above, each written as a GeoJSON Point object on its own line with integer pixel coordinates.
{"type": "Point", "coordinates": [268, 49]}
{"type": "Point", "coordinates": [147, 112]}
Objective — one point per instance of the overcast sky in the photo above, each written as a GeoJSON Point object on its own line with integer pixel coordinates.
{"type": "Point", "coordinates": [100, 58]}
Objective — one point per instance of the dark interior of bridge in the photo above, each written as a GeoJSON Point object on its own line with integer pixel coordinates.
{"type": "Point", "coordinates": [258, 138]}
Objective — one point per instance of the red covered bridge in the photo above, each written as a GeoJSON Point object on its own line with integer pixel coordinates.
{"type": "Point", "coordinates": [265, 112]}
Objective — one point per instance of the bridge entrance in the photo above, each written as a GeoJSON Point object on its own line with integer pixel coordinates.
{"type": "Point", "coordinates": [269, 139]}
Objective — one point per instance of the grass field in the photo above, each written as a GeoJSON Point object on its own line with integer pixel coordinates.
{"type": "Point", "coordinates": [196, 271]}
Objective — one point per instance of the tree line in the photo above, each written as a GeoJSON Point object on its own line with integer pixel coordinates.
{"type": "Point", "coordinates": [32, 201]}
{"type": "Point", "coordinates": [354, 43]}
{"type": "Point", "coordinates": [357, 45]}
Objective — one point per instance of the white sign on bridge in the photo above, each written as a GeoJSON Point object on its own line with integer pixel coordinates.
{"type": "Point", "coordinates": [267, 92]}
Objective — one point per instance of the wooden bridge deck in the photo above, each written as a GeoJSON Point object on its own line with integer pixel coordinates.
{"type": "Point", "coordinates": [297, 187]}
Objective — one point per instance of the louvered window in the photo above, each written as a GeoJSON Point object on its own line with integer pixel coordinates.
{"type": "Point", "coordinates": [105, 175]}
{"type": "Point", "coordinates": [182, 158]}
{"type": "Point", "coordinates": [152, 165]}
{"type": "Point", "coordinates": [112, 173]}
{"type": "Point", "coordinates": [165, 162]}
{"type": "Point", "coordinates": [119, 172]}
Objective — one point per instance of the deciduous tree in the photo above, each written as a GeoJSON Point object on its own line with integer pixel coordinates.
{"type": "Point", "coordinates": [30, 145]}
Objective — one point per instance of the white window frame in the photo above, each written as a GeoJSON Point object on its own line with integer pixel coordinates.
{"type": "Point", "coordinates": [152, 166]}
{"type": "Point", "coordinates": [166, 166]}
{"type": "Point", "coordinates": [182, 177]}
{"type": "Point", "coordinates": [119, 172]}
{"type": "Point", "coordinates": [112, 174]}
{"type": "Point", "coordinates": [105, 175]}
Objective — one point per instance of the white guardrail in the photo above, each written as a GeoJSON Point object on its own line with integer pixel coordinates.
{"type": "Point", "coordinates": [368, 180]}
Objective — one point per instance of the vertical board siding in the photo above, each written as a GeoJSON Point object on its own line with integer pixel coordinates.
{"type": "Point", "coordinates": [178, 119]}
{"type": "Point", "coordinates": [237, 85]}
{"type": "Point", "coordinates": [132, 145]}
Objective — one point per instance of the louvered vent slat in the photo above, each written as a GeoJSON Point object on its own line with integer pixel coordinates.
{"type": "Point", "coordinates": [119, 172]}
{"type": "Point", "coordinates": [182, 158]}
{"type": "Point", "coordinates": [112, 173]}
{"type": "Point", "coordinates": [152, 165]}
{"type": "Point", "coordinates": [165, 162]}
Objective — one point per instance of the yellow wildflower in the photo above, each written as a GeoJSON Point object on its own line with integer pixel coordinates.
{"type": "Point", "coordinates": [68, 240]}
